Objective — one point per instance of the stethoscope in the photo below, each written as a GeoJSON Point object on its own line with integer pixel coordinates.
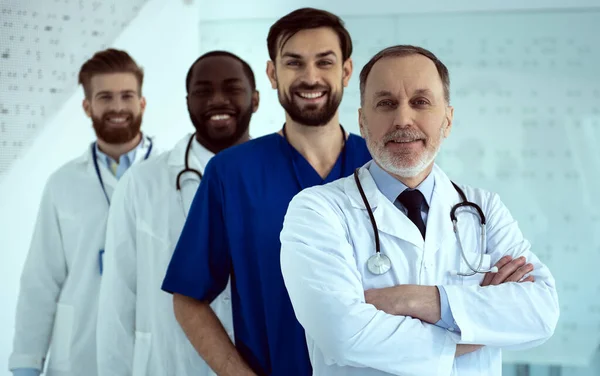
{"type": "Point", "coordinates": [97, 167]}
{"type": "Point", "coordinates": [379, 263]}
{"type": "Point", "coordinates": [186, 168]}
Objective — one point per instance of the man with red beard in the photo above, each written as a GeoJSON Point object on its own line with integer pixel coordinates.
{"type": "Point", "coordinates": [57, 304]}
{"type": "Point", "coordinates": [137, 330]}
{"type": "Point", "coordinates": [234, 222]}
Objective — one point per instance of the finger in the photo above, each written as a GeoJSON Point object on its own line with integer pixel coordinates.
{"type": "Point", "coordinates": [507, 270]}
{"type": "Point", "coordinates": [489, 276]}
{"type": "Point", "coordinates": [528, 279]}
{"type": "Point", "coordinates": [520, 273]}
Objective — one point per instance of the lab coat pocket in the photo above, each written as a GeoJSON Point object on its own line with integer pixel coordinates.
{"type": "Point", "coordinates": [474, 258]}
{"type": "Point", "coordinates": [141, 353]}
{"type": "Point", "coordinates": [62, 336]}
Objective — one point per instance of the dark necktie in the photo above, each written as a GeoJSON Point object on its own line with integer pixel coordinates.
{"type": "Point", "coordinates": [412, 201]}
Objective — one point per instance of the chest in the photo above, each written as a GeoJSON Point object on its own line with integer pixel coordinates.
{"type": "Point", "coordinates": [436, 260]}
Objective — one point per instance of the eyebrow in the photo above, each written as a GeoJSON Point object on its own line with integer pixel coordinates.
{"type": "Point", "coordinates": [104, 92]}
{"type": "Point", "coordinates": [387, 93]}
{"type": "Point", "coordinates": [226, 81]}
{"type": "Point", "coordinates": [319, 55]}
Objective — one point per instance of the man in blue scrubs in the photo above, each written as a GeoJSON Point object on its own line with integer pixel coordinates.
{"type": "Point", "coordinates": [237, 215]}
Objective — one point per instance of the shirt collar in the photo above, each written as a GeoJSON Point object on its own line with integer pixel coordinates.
{"type": "Point", "coordinates": [391, 187]}
{"type": "Point", "coordinates": [126, 158]}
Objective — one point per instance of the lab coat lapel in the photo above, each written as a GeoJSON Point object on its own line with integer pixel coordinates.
{"type": "Point", "coordinates": [439, 225]}
{"type": "Point", "coordinates": [390, 220]}
{"type": "Point", "coordinates": [109, 180]}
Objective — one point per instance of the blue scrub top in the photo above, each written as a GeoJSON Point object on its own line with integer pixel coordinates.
{"type": "Point", "coordinates": [233, 230]}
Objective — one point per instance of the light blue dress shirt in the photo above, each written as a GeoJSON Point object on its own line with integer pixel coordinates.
{"type": "Point", "coordinates": [118, 168]}
{"type": "Point", "coordinates": [391, 188]}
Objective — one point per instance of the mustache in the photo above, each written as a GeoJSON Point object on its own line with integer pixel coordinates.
{"type": "Point", "coordinates": [316, 87]}
{"type": "Point", "coordinates": [106, 115]}
{"type": "Point", "coordinates": [404, 135]}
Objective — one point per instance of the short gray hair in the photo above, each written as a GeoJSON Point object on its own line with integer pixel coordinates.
{"type": "Point", "coordinates": [400, 51]}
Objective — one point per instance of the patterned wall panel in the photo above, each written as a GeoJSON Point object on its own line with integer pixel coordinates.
{"type": "Point", "coordinates": [42, 46]}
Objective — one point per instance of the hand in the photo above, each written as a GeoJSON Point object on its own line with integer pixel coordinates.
{"type": "Point", "coordinates": [509, 270]}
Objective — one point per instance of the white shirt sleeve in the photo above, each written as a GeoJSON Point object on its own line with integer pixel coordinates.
{"type": "Point", "coordinates": [324, 284]}
{"type": "Point", "coordinates": [511, 315]}
{"type": "Point", "coordinates": [43, 275]}
{"type": "Point", "coordinates": [117, 303]}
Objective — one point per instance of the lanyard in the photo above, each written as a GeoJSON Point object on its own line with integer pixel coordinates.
{"type": "Point", "coordinates": [95, 158]}
{"type": "Point", "coordinates": [291, 151]}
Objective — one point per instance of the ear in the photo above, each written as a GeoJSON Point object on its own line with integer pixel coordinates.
{"type": "Point", "coordinates": [449, 119]}
{"type": "Point", "coordinates": [272, 74]}
{"type": "Point", "coordinates": [142, 104]}
{"type": "Point", "coordinates": [347, 70]}
{"type": "Point", "coordinates": [87, 107]}
{"type": "Point", "coordinates": [255, 100]}
{"type": "Point", "coordinates": [361, 124]}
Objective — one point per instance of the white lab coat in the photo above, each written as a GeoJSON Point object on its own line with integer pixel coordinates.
{"type": "Point", "coordinates": [326, 240]}
{"type": "Point", "coordinates": [60, 281]}
{"type": "Point", "coordinates": [138, 334]}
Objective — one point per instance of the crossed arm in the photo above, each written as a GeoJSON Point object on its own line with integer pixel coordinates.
{"type": "Point", "coordinates": [325, 288]}
{"type": "Point", "coordinates": [424, 303]}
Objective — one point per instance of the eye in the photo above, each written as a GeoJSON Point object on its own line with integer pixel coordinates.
{"type": "Point", "coordinates": [421, 102]}
{"type": "Point", "coordinates": [293, 63]}
{"type": "Point", "coordinates": [236, 89]}
{"type": "Point", "coordinates": [325, 63]}
{"type": "Point", "coordinates": [385, 103]}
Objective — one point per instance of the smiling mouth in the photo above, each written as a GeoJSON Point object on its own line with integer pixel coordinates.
{"type": "Point", "coordinates": [117, 120]}
{"type": "Point", "coordinates": [220, 117]}
{"type": "Point", "coordinates": [312, 95]}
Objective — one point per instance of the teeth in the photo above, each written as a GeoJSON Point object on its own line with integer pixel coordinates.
{"type": "Point", "coordinates": [117, 120]}
{"type": "Point", "coordinates": [311, 95]}
{"type": "Point", "coordinates": [220, 117]}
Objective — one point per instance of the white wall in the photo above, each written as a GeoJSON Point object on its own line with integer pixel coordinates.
{"type": "Point", "coordinates": [243, 9]}
{"type": "Point", "coordinates": [164, 39]}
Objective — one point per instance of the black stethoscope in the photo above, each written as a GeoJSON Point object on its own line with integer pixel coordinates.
{"type": "Point", "coordinates": [291, 149]}
{"type": "Point", "coordinates": [97, 167]}
{"type": "Point", "coordinates": [186, 169]}
{"type": "Point", "coordinates": [379, 263]}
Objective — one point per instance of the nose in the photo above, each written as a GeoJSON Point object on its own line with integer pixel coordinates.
{"type": "Point", "coordinates": [118, 104]}
{"type": "Point", "coordinates": [218, 99]}
{"type": "Point", "coordinates": [311, 75]}
{"type": "Point", "coordinates": [404, 116]}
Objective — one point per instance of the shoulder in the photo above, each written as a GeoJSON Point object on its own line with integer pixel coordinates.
{"type": "Point", "coordinates": [253, 149]}
{"type": "Point", "coordinates": [489, 201]}
{"type": "Point", "coordinates": [248, 154]}
{"type": "Point", "coordinates": [68, 173]}
{"type": "Point", "coordinates": [330, 197]}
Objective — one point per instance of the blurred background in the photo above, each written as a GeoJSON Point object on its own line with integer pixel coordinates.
{"type": "Point", "coordinates": [525, 85]}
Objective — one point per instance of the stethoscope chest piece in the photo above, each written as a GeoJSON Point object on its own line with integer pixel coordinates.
{"type": "Point", "coordinates": [379, 264]}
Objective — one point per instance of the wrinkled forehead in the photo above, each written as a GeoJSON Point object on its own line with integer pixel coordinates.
{"type": "Point", "coordinates": [404, 76]}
